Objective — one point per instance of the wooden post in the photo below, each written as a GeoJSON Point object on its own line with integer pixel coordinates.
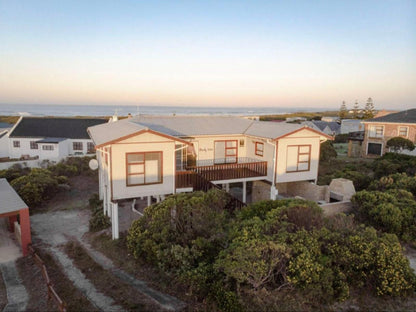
{"type": "Point", "coordinates": [25, 230]}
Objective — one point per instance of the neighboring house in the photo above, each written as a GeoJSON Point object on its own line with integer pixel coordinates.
{"type": "Point", "coordinates": [330, 118]}
{"type": "Point", "coordinates": [51, 138]}
{"type": "Point", "coordinates": [351, 125]}
{"type": "Point", "coordinates": [154, 156]}
{"type": "Point", "coordinates": [379, 130]}
{"type": "Point", "coordinates": [328, 127]}
{"type": "Point", "coordinates": [355, 143]}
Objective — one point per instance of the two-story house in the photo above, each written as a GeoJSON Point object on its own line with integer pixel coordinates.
{"type": "Point", "coordinates": [379, 130]}
{"type": "Point", "coordinates": [155, 156]}
{"type": "Point", "coordinates": [51, 138]}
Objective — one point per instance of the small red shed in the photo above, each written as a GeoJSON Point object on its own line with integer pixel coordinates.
{"type": "Point", "coordinates": [11, 206]}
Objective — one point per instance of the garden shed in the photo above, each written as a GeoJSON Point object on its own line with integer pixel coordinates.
{"type": "Point", "coordinates": [17, 212]}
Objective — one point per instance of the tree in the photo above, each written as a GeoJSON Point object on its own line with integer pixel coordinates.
{"type": "Point", "coordinates": [397, 144]}
{"type": "Point", "coordinates": [369, 111]}
{"type": "Point", "coordinates": [327, 151]}
{"type": "Point", "coordinates": [355, 110]}
{"type": "Point", "coordinates": [343, 112]}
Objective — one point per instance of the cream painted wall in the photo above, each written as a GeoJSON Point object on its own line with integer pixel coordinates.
{"type": "Point", "coordinates": [141, 143]}
{"type": "Point", "coordinates": [267, 154]}
{"type": "Point", "coordinates": [309, 138]}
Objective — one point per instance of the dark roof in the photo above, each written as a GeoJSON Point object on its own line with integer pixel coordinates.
{"type": "Point", "coordinates": [356, 136]}
{"type": "Point", "coordinates": [70, 128]}
{"type": "Point", "coordinates": [333, 125]}
{"type": "Point", "coordinates": [51, 140]}
{"type": "Point", "coordinates": [407, 116]}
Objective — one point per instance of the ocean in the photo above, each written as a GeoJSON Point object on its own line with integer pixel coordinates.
{"type": "Point", "coordinates": [123, 110]}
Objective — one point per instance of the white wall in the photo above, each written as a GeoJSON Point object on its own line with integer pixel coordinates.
{"type": "Point", "coordinates": [140, 144]}
{"type": "Point", "coordinates": [303, 137]}
{"type": "Point", "coordinates": [4, 144]}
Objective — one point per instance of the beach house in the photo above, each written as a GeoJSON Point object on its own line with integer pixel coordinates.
{"type": "Point", "coordinates": [51, 138]}
{"type": "Point", "coordinates": [155, 156]}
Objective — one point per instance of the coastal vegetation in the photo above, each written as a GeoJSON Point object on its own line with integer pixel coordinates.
{"type": "Point", "coordinates": [256, 257]}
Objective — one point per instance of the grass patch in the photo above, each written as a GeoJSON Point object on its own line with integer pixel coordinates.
{"type": "Point", "coordinates": [122, 293]}
{"type": "Point", "coordinates": [73, 297]}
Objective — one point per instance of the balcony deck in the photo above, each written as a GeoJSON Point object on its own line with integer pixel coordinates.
{"type": "Point", "coordinates": [220, 172]}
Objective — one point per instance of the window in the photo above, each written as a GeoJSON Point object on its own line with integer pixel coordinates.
{"type": "Point", "coordinates": [33, 145]}
{"type": "Point", "coordinates": [144, 168]}
{"type": "Point", "coordinates": [47, 147]}
{"type": "Point", "coordinates": [225, 152]}
{"type": "Point", "coordinates": [77, 146]}
{"type": "Point", "coordinates": [90, 147]}
{"type": "Point", "coordinates": [259, 148]}
{"type": "Point", "coordinates": [298, 158]}
{"type": "Point", "coordinates": [403, 131]}
{"type": "Point", "coordinates": [16, 143]}
{"type": "Point", "coordinates": [375, 131]}
{"type": "Point", "coordinates": [374, 149]}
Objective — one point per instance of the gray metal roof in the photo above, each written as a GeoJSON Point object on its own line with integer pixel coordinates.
{"type": "Point", "coordinates": [10, 201]}
{"type": "Point", "coordinates": [407, 116]}
{"type": "Point", "coordinates": [185, 126]}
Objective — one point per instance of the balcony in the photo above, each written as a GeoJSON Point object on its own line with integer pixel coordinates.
{"type": "Point", "coordinates": [214, 171]}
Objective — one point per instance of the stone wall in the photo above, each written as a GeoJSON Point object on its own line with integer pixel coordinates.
{"type": "Point", "coordinates": [331, 209]}
{"type": "Point", "coordinates": [261, 191]}
{"type": "Point", "coordinates": [307, 190]}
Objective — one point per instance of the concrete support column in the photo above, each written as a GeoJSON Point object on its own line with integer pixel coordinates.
{"type": "Point", "coordinates": [244, 191]}
{"type": "Point", "coordinates": [114, 221]}
{"type": "Point", "coordinates": [149, 200]}
{"type": "Point", "coordinates": [26, 237]}
{"type": "Point", "coordinates": [227, 187]}
{"type": "Point", "coordinates": [273, 192]}
{"type": "Point", "coordinates": [12, 220]}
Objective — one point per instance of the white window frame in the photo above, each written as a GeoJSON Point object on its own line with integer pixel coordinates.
{"type": "Point", "coordinates": [407, 131]}
{"type": "Point", "coordinates": [370, 131]}
{"type": "Point", "coordinates": [381, 151]}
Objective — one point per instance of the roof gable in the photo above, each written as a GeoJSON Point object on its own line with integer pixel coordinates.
{"type": "Point", "coordinates": [70, 128]}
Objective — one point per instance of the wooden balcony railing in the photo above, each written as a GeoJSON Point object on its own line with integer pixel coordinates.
{"type": "Point", "coordinates": [231, 171]}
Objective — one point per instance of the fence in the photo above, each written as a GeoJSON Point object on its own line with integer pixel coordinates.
{"type": "Point", "coordinates": [51, 291]}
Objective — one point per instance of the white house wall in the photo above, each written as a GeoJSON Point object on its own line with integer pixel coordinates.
{"type": "Point", "coordinates": [303, 137]}
{"type": "Point", "coordinates": [136, 144]}
{"type": "Point", "coordinates": [4, 145]}
{"type": "Point", "coordinates": [268, 153]}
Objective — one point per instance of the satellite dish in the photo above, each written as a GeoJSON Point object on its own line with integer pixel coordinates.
{"type": "Point", "coordinates": [93, 164]}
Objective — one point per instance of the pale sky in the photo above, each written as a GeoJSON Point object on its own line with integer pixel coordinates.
{"type": "Point", "coordinates": [208, 53]}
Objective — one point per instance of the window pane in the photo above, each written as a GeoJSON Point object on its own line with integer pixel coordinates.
{"type": "Point", "coordinates": [135, 158]}
{"type": "Point", "coordinates": [304, 149]}
{"type": "Point", "coordinates": [153, 172]}
{"type": "Point", "coordinates": [260, 147]}
{"type": "Point", "coordinates": [231, 144]}
{"type": "Point", "coordinates": [303, 158]}
{"type": "Point", "coordinates": [303, 166]}
{"type": "Point", "coordinates": [139, 168]}
{"type": "Point", "coordinates": [292, 157]}
{"type": "Point", "coordinates": [231, 152]}
{"type": "Point", "coordinates": [135, 179]}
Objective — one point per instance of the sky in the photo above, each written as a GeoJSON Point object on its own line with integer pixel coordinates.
{"type": "Point", "coordinates": [209, 53]}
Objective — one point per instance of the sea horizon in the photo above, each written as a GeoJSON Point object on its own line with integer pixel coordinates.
{"type": "Point", "coordinates": [123, 110]}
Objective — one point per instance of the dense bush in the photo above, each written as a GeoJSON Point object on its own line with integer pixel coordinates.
{"type": "Point", "coordinates": [361, 180]}
{"type": "Point", "coordinates": [391, 163]}
{"type": "Point", "coordinates": [98, 220]}
{"type": "Point", "coordinates": [398, 144]}
{"type": "Point", "coordinates": [327, 151]}
{"type": "Point", "coordinates": [392, 210]}
{"type": "Point", "coordinates": [341, 138]}
{"type": "Point", "coordinates": [271, 245]}
{"type": "Point", "coordinates": [38, 185]}
{"type": "Point", "coordinates": [14, 172]}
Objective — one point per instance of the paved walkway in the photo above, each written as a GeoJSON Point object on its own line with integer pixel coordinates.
{"type": "Point", "coordinates": [59, 227]}
{"type": "Point", "coordinates": [17, 296]}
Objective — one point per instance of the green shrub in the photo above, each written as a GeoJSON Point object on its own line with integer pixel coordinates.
{"type": "Point", "coordinates": [38, 185]}
{"type": "Point", "coordinates": [398, 144]}
{"type": "Point", "coordinates": [327, 151]}
{"type": "Point", "coordinates": [14, 172]}
{"type": "Point", "coordinates": [98, 220]}
{"type": "Point", "coordinates": [341, 138]}
{"type": "Point", "coordinates": [391, 163]}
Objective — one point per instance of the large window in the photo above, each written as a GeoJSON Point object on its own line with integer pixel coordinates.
{"type": "Point", "coordinates": [375, 131]}
{"type": "Point", "coordinates": [259, 148]}
{"type": "Point", "coordinates": [144, 168]}
{"type": "Point", "coordinates": [403, 131]}
{"type": "Point", "coordinates": [47, 147]}
{"type": "Point", "coordinates": [77, 146]}
{"type": "Point", "coordinates": [16, 143]}
{"type": "Point", "coordinates": [33, 145]}
{"type": "Point", "coordinates": [298, 158]}
{"type": "Point", "coordinates": [374, 149]}
{"type": "Point", "coordinates": [225, 152]}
